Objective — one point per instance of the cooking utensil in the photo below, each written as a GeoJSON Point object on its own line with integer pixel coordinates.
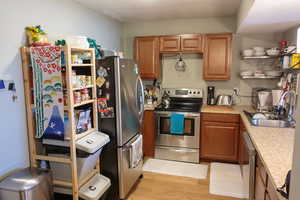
{"type": "Point", "coordinates": [165, 101]}
{"type": "Point", "coordinates": [224, 100]}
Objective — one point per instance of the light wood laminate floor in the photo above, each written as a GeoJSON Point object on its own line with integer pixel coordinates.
{"type": "Point", "coordinates": [165, 187]}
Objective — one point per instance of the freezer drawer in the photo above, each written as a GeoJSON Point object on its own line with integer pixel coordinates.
{"type": "Point", "coordinates": [177, 153]}
{"type": "Point", "coordinates": [127, 176]}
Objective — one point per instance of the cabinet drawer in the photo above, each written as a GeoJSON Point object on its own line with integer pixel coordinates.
{"type": "Point", "coordinates": [262, 171]}
{"type": "Point", "coordinates": [220, 117]}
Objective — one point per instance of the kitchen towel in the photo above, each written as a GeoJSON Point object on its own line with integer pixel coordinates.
{"type": "Point", "coordinates": [48, 92]}
{"type": "Point", "coordinates": [177, 123]}
{"type": "Point", "coordinates": [136, 151]}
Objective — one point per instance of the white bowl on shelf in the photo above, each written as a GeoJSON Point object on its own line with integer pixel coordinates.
{"type": "Point", "coordinates": [248, 52]}
{"type": "Point", "coordinates": [273, 73]}
{"type": "Point", "coordinates": [273, 52]}
{"type": "Point", "coordinates": [258, 49]}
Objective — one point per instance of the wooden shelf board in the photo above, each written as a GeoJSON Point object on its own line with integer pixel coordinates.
{"type": "Point", "coordinates": [81, 49]}
{"type": "Point", "coordinates": [83, 134]}
{"type": "Point", "coordinates": [81, 88]}
{"type": "Point", "coordinates": [62, 183]}
{"type": "Point", "coordinates": [83, 103]}
{"type": "Point", "coordinates": [52, 158]}
{"type": "Point", "coordinates": [82, 65]}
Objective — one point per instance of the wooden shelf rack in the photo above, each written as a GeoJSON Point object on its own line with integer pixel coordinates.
{"type": "Point", "coordinates": [35, 154]}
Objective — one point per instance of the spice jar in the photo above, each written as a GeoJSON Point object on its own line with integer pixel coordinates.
{"type": "Point", "coordinates": [89, 80]}
{"type": "Point", "coordinates": [77, 97]}
{"type": "Point", "coordinates": [85, 95]}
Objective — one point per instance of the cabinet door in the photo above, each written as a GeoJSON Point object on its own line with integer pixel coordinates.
{"type": "Point", "coordinates": [148, 133]}
{"type": "Point", "coordinates": [217, 57]}
{"type": "Point", "coordinates": [259, 187]}
{"type": "Point", "coordinates": [191, 43]}
{"type": "Point", "coordinates": [147, 56]}
{"type": "Point", "coordinates": [169, 44]}
{"type": "Point", "coordinates": [219, 141]}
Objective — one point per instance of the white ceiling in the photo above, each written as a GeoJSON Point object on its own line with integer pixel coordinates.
{"type": "Point", "coordinates": [267, 16]}
{"type": "Point", "coordinates": [147, 10]}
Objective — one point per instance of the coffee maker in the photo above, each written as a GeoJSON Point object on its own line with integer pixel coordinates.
{"type": "Point", "coordinates": [210, 95]}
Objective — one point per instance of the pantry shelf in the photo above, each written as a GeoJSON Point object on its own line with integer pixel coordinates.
{"type": "Point", "coordinates": [35, 145]}
{"type": "Point", "coordinates": [84, 103]}
{"type": "Point", "coordinates": [82, 65]}
{"type": "Point", "coordinates": [81, 88]}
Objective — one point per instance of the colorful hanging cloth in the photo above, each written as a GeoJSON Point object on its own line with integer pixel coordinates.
{"type": "Point", "coordinates": [48, 92]}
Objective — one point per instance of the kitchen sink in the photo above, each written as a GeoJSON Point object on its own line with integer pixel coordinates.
{"type": "Point", "coordinates": [269, 122]}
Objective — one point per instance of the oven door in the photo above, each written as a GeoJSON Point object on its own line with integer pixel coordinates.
{"type": "Point", "coordinates": [189, 139]}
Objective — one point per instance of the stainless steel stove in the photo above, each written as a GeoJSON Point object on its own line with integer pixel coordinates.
{"type": "Point", "coordinates": [180, 147]}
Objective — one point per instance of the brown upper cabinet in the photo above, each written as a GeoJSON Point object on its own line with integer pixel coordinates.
{"type": "Point", "coordinates": [147, 56]}
{"type": "Point", "coordinates": [191, 43]}
{"type": "Point", "coordinates": [181, 43]}
{"type": "Point", "coordinates": [217, 56]}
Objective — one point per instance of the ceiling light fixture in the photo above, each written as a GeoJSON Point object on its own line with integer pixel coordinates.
{"type": "Point", "coordinates": [180, 65]}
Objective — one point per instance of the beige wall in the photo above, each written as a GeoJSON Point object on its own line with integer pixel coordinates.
{"type": "Point", "coordinates": [193, 75]}
{"type": "Point", "coordinates": [291, 34]}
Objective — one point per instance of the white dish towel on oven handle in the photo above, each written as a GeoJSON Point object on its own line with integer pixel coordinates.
{"type": "Point", "coordinates": [136, 152]}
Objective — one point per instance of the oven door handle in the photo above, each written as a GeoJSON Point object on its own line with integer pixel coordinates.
{"type": "Point", "coordinates": [186, 114]}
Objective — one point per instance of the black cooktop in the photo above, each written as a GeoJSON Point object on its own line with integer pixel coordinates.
{"type": "Point", "coordinates": [182, 105]}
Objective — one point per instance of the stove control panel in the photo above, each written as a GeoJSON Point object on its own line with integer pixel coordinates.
{"type": "Point", "coordinates": [184, 92]}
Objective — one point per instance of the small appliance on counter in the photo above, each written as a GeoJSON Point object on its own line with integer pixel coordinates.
{"type": "Point", "coordinates": [210, 95]}
{"type": "Point", "coordinates": [224, 100]}
{"type": "Point", "coordinates": [262, 99]}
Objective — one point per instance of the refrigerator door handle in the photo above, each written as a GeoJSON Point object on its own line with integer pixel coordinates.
{"type": "Point", "coordinates": [140, 98]}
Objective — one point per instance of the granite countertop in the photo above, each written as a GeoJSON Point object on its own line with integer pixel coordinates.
{"type": "Point", "coordinates": [274, 145]}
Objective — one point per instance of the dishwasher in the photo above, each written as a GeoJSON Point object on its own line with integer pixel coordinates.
{"type": "Point", "coordinates": [248, 168]}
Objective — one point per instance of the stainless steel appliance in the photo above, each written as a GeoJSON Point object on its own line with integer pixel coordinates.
{"type": "Point", "coordinates": [262, 99]}
{"type": "Point", "coordinates": [248, 168]}
{"type": "Point", "coordinates": [121, 107]}
{"type": "Point", "coordinates": [210, 95]}
{"type": "Point", "coordinates": [224, 100]}
{"type": "Point", "coordinates": [27, 184]}
{"type": "Point", "coordinates": [186, 146]}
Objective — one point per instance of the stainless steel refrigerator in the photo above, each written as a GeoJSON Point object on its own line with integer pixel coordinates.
{"type": "Point", "coordinates": [121, 107]}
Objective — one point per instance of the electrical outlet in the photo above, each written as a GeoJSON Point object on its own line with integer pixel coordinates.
{"type": "Point", "coordinates": [236, 91]}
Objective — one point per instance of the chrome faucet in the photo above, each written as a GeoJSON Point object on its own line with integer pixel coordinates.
{"type": "Point", "coordinates": [291, 103]}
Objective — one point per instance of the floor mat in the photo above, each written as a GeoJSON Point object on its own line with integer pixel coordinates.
{"type": "Point", "coordinates": [226, 180]}
{"type": "Point", "coordinates": [175, 168]}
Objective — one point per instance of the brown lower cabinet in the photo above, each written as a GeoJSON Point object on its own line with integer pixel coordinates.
{"type": "Point", "coordinates": [219, 137]}
{"type": "Point", "coordinates": [259, 187]}
{"type": "Point", "coordinates": [264, 189]}
{"type": "Point", "coordinates": [148, 131]}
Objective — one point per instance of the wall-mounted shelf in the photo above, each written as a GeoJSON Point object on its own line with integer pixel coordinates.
{"type": "Point", "coordinates": [260, 77]}
{"type": "Point", "coordinates": [259, 57]}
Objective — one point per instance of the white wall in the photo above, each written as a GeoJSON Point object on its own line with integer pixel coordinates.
{"type": "Point", "coordinates": [244, 9]}
{"type": "Point", "coordinates": [58, 18]}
